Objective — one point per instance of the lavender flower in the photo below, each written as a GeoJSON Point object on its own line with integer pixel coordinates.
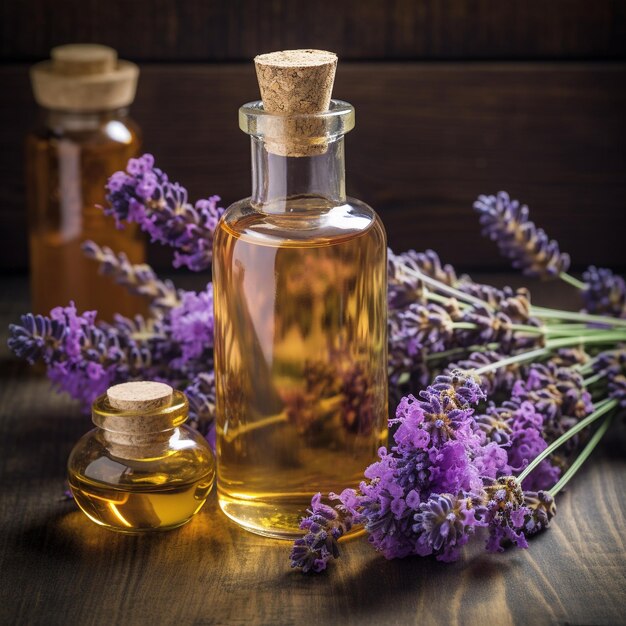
{"type": "Point", "coordinates": [501, 379]}
{"type": "Point", "coordinates": [542, 509]}
{"type": "Point", "coordinates": [201, 396]}
{"type": "Point", "coordinates": [82, 358]}
{"type": "Point", "coordinates": [191, 327]}
{"type": "Point", "coordinates": [505, 514]}
{"type": "Point", "coordinates": [144, 194]}
{"type": "Point", "coordinates": [612, 364]}
{"type": "Point", "coordinates": [506, 222]}
{"type": "Point", "coordinates": [139, 279]}
{"type": "Point", "coordinates": [604, 292]}
{"type": "Point", "coordinates": [444, 524]}
{"type": "Point", "coordinates": [427, 263]}
{"type": "Point", "coordinates": [433, 443]}
{"type": "Point", "coordinates": [558, 393]}
{"type": "Point", "coordinates": [324, 527]}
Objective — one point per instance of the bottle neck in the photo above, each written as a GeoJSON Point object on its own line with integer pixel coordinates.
{"type": "Point", "coordinates": [281, 184]}
{"type": "Point", "coordinates": [81, 120]}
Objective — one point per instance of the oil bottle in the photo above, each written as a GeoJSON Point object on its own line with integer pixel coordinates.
{"type": "Point", "coordinates": [84, 135]}
{"type": "Point", "coordinates": [299, 274]}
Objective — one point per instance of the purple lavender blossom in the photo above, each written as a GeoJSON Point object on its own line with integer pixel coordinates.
{"type": "Point", "coordinates": [604, 293]}
{"type": "Point", "coordinates": [191, 327]}
{"type": "Point", "coordinates": [505, 514]}
{"type": "Point", "coordinates": [324, 527]}
{"type": "Point", "coordinates": [506, 222]}
{"type": "Point", "coordinates": [444, 523]}
{"type": "Point", "coordinates": [542, 509]}
{"type": "Point", "coordinates": [433, 443]}
{"type": "Point", "coordinates": [501, 379]}
{"type": "Point", "coordinates": [427, 263]}
{"type": "Point", "coordinates": [201, 396]}
{"type": "Point", "coordinates": [139, 279]}
{"type": "Point", "coordinates": [83, 359]}
{"type": "Point", "coordinates": [612, 364]}
{"type": "Point", "coordinates": [144, 194]}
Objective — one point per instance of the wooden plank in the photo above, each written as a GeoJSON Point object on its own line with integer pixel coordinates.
{"type": "Point", "coordinates": [357, 29]}
{"type": "Point", "coordinates": [429, 139]}
{"type": "Point", "coordinates": [59, 568]}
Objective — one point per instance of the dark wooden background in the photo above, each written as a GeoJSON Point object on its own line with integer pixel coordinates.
{"type": "Point", "coordinates": [453, 97]}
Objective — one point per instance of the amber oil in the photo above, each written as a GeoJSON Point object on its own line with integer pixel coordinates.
{"type": "Point", "coordinates": [299, 276]}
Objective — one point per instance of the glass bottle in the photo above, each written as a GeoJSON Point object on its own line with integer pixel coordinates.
{"type": "Point", "coordinates": [141, 468]}
{"type": "Point", "coordinates": [84, 135]}
{"type": "Point", "coordinates": [299, 275]}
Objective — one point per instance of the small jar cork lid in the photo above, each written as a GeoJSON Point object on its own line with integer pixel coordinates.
{"type": "Point", "coordinates": [140, 396]}
{"type": "Point", "coordinates": [84, 77]}
{"type": "Point", "coordinates": [138, 417]}
{"type": "Point", "coordinates": [297, 85]}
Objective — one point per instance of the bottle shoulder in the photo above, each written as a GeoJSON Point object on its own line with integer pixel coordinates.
{"type": "Point", "coordinates": [184, 458]}
{"type": "Point", "coordinates": [111, 130]}
{"type": "Point", "coordinates": [312, 225]}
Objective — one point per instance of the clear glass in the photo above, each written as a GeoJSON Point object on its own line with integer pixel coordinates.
{"type": "Point", "coordinates": [69, 158]}
{"type": "Point", "coordinates": [299, 276]}
{"type": "Point", "coordinates": [158, 483]}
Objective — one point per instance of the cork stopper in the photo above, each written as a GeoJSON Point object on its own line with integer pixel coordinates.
{"type": "Point", "coordinates": [138, 418]}
{"type": "Point", "coordinates": [140, 396]}
{"type": "Point", "coordinates": [296, 84]}
{"type": "Point", "coordinates": [84, 77]}
{"type": "Point", "coordinates": [83, 59]}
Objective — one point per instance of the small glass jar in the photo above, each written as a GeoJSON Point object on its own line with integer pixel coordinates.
{"type": "Point", "coordinates": [141, 468]}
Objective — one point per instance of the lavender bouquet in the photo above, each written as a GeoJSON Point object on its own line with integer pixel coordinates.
{"type": "Point", "coordinates": [508, 389]}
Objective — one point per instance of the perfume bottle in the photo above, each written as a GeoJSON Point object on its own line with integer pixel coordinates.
{"type": "Point", "coordinates": [141, 468]}
{"type": "Point", "coordinates": [84, 135]}
{"type": "Point", "coordinates": [299, 275]}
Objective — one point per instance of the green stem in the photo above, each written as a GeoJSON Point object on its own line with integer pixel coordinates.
{"type": "Point", "coordinates": [439, 299]}
{"type": "Point", "coordinates": [443, 288]}
{"type": "Point", "coordinates": [593, 379]}
{"type": "Point", "coordinates": [459, 351]}
{"type": "Point", "coordinates": [568, 278]}
{"type": "Point", "coordinates": [601, 408]}
{"type": "Point", "coordinates": [539, 311]}
{"type": "Point", "coordinates": [563, 331]}
{"type": "Point", "coordinates": [534, 330]}
{"type": "Point", "coordinates": [601, 337]}
{"type": "Point", "coordinates": [582, 457]}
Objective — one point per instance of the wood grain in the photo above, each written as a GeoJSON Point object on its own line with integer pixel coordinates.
{"type": "Point", "coordinates": [429, 138]}
{"type": "Point", "coordinates": [198, 30]}
{"type": "Point", "coordinates": [56, 567]}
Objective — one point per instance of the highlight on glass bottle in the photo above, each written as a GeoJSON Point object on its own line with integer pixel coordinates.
{"type": "Point", "coordinates": [299, 275]}
{"type": "Point", "coordinates": [141, 469]}
{"type": "Point", "coordinates": [84, 135]}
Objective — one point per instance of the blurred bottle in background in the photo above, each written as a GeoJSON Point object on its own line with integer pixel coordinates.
{"type": "Point", "coordinates": [84, 136]}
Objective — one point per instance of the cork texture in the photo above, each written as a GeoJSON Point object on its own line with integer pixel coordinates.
{"type": "Point", "coordinates": [83, 59]}
{"type": "Point", "coordinates": [140, 396]}
{"type": "Point", "coordinates": [296, 83]}
{"type": "Point", "coordinates": [84, 77]}
{"type": "Point", "coordinates": [142, 429]}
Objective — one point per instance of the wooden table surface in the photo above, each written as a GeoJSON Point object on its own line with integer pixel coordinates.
{"type": "Point", "coordinates": [56, 567]}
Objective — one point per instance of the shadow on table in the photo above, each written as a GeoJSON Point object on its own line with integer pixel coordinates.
{"type": "Point", "coordinates": [69, 537]}
{"type": "Point", "coordinates": [377, 584]}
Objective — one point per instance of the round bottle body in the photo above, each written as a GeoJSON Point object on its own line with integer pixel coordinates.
{"type": "Point", "coordinates": [300, 356]}
{"type": "Point", "coordinates": [69, 159]}
{"type": "Point", "coordinates": [134, 491]}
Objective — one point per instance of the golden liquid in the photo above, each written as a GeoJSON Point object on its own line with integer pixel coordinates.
{"type": "Point", "coordinates": [300, 351]}
{"type": "Point", "coordinates": [140, 508]}
{"type": "Point", "coordinates": [65, 174]}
